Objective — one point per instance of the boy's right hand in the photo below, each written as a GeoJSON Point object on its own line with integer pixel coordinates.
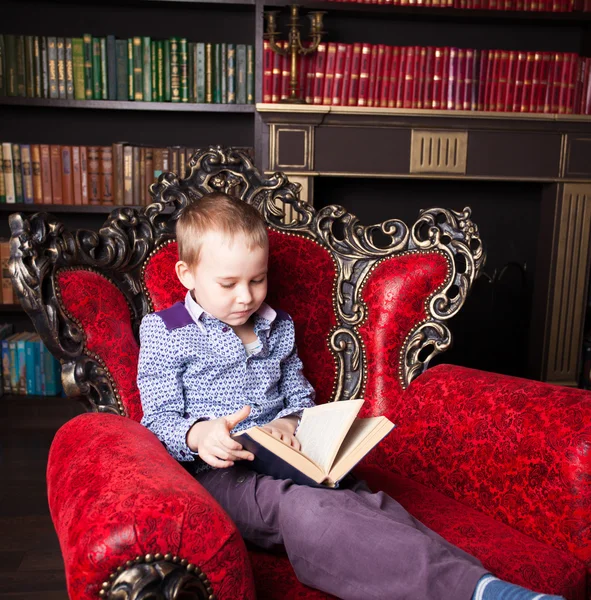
{"type": "Point", "coordinates": [211, 439]}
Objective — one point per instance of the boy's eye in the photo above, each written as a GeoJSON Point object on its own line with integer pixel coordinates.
{"type": "Point", "coordinates": [227, 286]}
{"type": "Point", "coordinates": [258, 280]}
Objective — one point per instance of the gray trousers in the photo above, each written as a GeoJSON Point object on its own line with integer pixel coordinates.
{"type": "Point", "coordinates": [349, 542]}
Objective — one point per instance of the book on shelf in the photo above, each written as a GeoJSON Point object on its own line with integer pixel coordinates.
{"type": "Point", "coordinates": [553, 6]}
{"type": "Point", "coordinates": [440, 78]}
{"type": "Point", "coordinates": [139, 68]}
{"type": "Point", "coordinates": [7, 291]}
{"type": "Point", "coordinates": [333, 440]}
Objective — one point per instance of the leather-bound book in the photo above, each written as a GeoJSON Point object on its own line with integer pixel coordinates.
{"type": "Point", "coordinates": [410, 76]}
{"type": "Point", "coordinates": [401, 77]}
{"type": "Point", "coordinates": [364, 72]}
{"type": "Point", "coordinates": [36, 168]}
{"type": "Point", "coordinates": [511, 76]}
{"type": "Point", "coordinates": [347, 75]}
{"type": "Point", "coordinates": [384, 90]}
{"type": "Point", "coordinates": [353, 88]}
{"type": "Point", "coordinates": [76, 176]}
{"type": "Point", "coordinates": [376, 64]}
{"type": "Point", "coordinates": [67, 182]}
{"type": "Point", "coordinates": [46, 187]}
{"type": "Point", "coordinates": [460, 83]}
{"type": "Point", "coordinates": [55, 153]}
{"type": "Point", "coordinates": [93, 166]}
{"type": "Point", "coordinates": [319, 70]}
{"type": "Point", "coordinates": [419, 91]}
{"type": "Point", "coordinates": [438, 60]}
{"type": "Point", "coordinates": [339, 74]}
{"type": "Point", "coordinates": [518, 85]}
{"type": "Point", "coordinates": [469, 80]}
{"type": "Point", "coordinates": [329, 73]}
{"type": "Point", "coordinates": [84, 174]}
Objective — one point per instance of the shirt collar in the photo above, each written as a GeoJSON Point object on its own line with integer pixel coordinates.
{"type": "Point", "coordinates": [197, 311]}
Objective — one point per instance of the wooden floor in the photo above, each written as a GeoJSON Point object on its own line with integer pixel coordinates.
{"type": "Point", "coordinates": [31, 566]}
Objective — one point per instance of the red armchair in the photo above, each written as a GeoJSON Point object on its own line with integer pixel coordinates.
{"type": "Point", "coordinates": [499, 466]}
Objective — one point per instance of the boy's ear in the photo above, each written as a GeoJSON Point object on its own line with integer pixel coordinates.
{"type": "Point", "coordinates": [185, 275]}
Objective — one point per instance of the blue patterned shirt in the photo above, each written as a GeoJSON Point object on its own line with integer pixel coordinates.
{"type": "Point", "coordinates": [193, 367]}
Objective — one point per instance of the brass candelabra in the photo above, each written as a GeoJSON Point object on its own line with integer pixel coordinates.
{"type": "Point", "coordinates": [295, 46]}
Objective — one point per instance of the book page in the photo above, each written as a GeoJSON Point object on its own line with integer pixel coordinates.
{"type": "Point", "coordinates": [323, 428]}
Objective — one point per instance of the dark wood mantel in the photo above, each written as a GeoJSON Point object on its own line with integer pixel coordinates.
{"type": "Point", "coordinates": [554, 150]}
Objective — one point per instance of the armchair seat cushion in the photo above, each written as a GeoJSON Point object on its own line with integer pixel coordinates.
{"type": "Point", "coordinates": [508, 553]}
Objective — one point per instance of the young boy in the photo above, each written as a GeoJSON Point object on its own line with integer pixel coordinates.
{"type": "Point", "coordinates": [224, 361]}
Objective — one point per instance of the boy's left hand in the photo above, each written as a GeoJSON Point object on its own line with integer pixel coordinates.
{"type": "Point", "coordinates": [283, 429]}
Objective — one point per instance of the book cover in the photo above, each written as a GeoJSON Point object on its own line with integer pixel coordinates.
{"type": "Point", "coordinates": [160, 71]}
{"type": "Point", "coordinates": [29, 67]}
{"type": "Point", "coordinates": [394, 76]}
{"type": "Point", "coordinates": [241, 76]}
{"type": "Point", "coordinates": [10, 64]}
{"type": "Point", "coordinates": [17, 172]}
{"type": "Point", "coordinates": [138, 70]}
{"type": "Point", "coordinates": [353, 88]}
{"type": "Point", "coordinates": [112, 82]}
{"type": "Point", "coordinates": [339, 74]}
{"type": "Point", "coordinates": [319, 70]}
{"type": "Point", "coordinates": [8, 171]}
{"type": "Point", "coordinates": [382, 101]}
{"type": "Point", "coordinates": [37, 66]}
{"type": "Point", "coordinates": [88, 76]}
{"type": "Point", "coordinates": [76, 176]}
{"type": "Point", "coordinates": [78, 68]}
{"type": "Point", "coordinates": [61, 67]}
{"type": "Point", "coordinates": [84, 174]}
{"type": "Point", "coordinates": [122, 75]}
{"type": "Point", "coordinates": [21, 87]}
{"type": "Point", "coordinates": [27, 173]}
{"type": "Point", "coordinates": [376, 64]}
{"type": "Point", "coordinates": [364, 73]}
{"type": "Point", "coordinates": [52, 65]}
{"type": "Point", "coordinates": [6, 370]}
{"type": "Point", "coordinates": [55, 154]}
{"type": "Point", "coordinates": [231, 50]}
{"type": "Point", "coordinates": [69, 68]}
{"type": "Point", "coordinates": [249, 74]}
{"type": "Point", "coordinates": [94, 177]}
{"type": "Point", "coordinates": [146, 51]}
{"type": "Point", "coordinates": [419, 90]}
{"type": "Point", "coordinates": [67, 180]}
{"type": "Point", "coordinates": [106, 174]}
{"type": "Point", "coordinates": [222, 78]}
{"type": "Point", "coordinates": [46, 187]}
{"type": "Point", "coordinates": [329, 72]}
{"type": "Point", "coordinates": [97, 72]}
{"type": "Point", "coordinates": [44, 67]}
{"type": "Point", "coordinates": [7, 290]}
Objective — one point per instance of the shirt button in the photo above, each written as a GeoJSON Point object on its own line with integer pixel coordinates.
{"type": "Point", "coordinates": [241, 479]}
{"type": "Point", "coordinates": [225, 329]}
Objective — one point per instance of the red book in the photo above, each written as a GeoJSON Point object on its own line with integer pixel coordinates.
{"type": "Point", "coordinates": [494, 81]}
{"type": "Point", "coordinates": [460, 83]}
{"type": "Point", "coordinates": [285, 72]}
{"type": "Point", "coordinates": [444, 78]}
{"type": "Point", "coordinates": [482, 79]}
{"type": "Point", "coordinates": [276, 78]}
{"type": "Point", "coordinates": [410, 75]}
{"type": "Point", "coordinates": [557, 79]}
{"type": "Point", "coordinates": [93, 166]}
{"type": "Point", "coordinates": [438, 60]}
{"type": "Point", "coordinates": [567, 83]}
{"type": "Point", "coordinates": [498, 101]}
{"type": "Point", "coordinates": [534, 89]}
{"type": "Point", "coordinates": [76, 180]}
{"type": "Point", "coordinates": [347, 75]}
{"type": "Point", "coordinates": [401, 79]}
{"type": "Point", "coordinates": [385, 87]}
{"type": "Point", "coordinates": [468, 81]}
{"type": "Point", "coordinates": [364, 72]}
{"type": "Point", "coordinates": [421, 75]}
{"type": "Point", "coordinates": [339, 73]}
{"type": "Point", "coordinates": [475, 81]}
{"type": "Point", "coordinates": [67, 182]}
{"type": "Point", "coordinates": [353, 94]}
{"type": "Point", "coordinates": [319, 74]}
{"type": "Point", "coordinates": [55, 153]}
{"type": "Point", "coordinates": [394, 76]}
{"type": "Point", "coordinates": [329, 72]}
{"type": "Point", "coordinates": [106, 175]}
{"type": "Point", "coordinates": [84, 173]}
{"type": "Point", "coordinates": [587, 89]}
{"type": "Point", "coordinates": [310, 76]}
{"type": "Point", "coordinates": [545, 82]}
{"type": "Point", "coordinates": [302, 65]}
{"type": "Point", "coordinates": [267, 71]}
{"type": "Point", "coordinates": [579, 86]}
{"type": "Point", "coordinates": [528, 102]}
{"type": "Point", "coordinates": [427, 100]}
{"type": "Point", "coordinates": [520, 61]}
{"type": "Point", "coordinates": [510, 89]}
{"type": "Point", "coordinates": [376, 65]}
{"type": "Point", "coordinates": [46, 173]}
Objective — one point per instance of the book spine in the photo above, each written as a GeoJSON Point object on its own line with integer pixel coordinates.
{"type": "Point", "coordinates": [373, 72]}
{"type": "Point", "coordinates": [7, 290]}
{"type": "Point", "coordinates": [88, 62]}
{"type": "Point", "coordinates": [21, 86]}
{"type": "Point", "coordinates": [329, 72]}
{"type": "Point", "coordinates": [8, 172]}
{"type": "Point", "coordinates": [3, 86]}
{"type": "Point", "coordinates": [22, 365]}
{"type": "Point", "coordinates": [339, 74]}
{"type": "Point", "coordinates": [519, 74]}
{"type": "Point", "coordinates": [38, 69]}
{"type": "Point", "coordinates": [67, 182]}
{"type": "Point", "coordinates": [208, 73]}
{"type": "Point", "coordinates": [160, 69]}
{"type": "Point", "coordinates": [420, 79]}
{"type": "Point", "coordinates": [285, 72]}
{"type": "Point", "coordinates": [142, 176]}
{"type": "Point", "coordinates": [37, 343]}
{"type": "Point", "coordinates": [191, 72]}
{"type": "Point", "coordinates": [267, 71]}
{"type": "Point", "coordinates": [231, 73]}
{"type": "Point", "coordinates": [122, 73]}
{"type": "Point", "coordinates": [13, 361]}
{"type": "Point", "coordinates": [97, 77]}
{"type": "Point", "coordinates": [44, 67]}
{"type": "Point", "coordinates": [84, 174]}
{"type": "Point", "coordinates": [149, 177]}
{"type": "Point", "coordinates": [502, 81]}
{"type": "Point", "coordinates": [320, 68]}
{"type": "Point", "coordinates": [241, 76]}
{"type": "Point", "coordinates": [29, 67]}
{"type": "Point", "coordinates": [347, 71]}
{"type": "Point", "coordinates": [69, 61]}
{"type": "Point", "coordinates": [131, 74]}
{"type": "Point", "coordinates": [394, 75]}
{"type": "Point", "coordinates": [76, 176]}
{"type": "Point", "coordinates": [146, 50]}
{"type": "Point", "coordinates": [200, 72]}
{"type": "Point", "coordinates": [106, 174]}
{"type": "Point", "coordinates": [18, 172]}
{"type": "Point", "coordinates": [52, 66]}
{"type": "Point", "coordinates": [138, 72]}
{"type": "Point", "coordinates": [401, 78]}
{"type": "Point", "coordinates": [136, 175]}
{"type": "Point", "coordinates": [167, 64]}
{"type": "Point", "coordinates": [112, 81]}
{"type": "Point", "coordinates": [276, 78]}
{"type": "Point", "coordinates": [6, 388]}
{"type": "Point", "coordinates": [364, 74]}
{"type": "Point", "coordinates": [46, 187]}
{"type": "Point", "coordinates": [2, 181]}
{"type": "Point", "coordinates": [175, 70]}
{"type": "Point", "coordinates": [56, 174]}
{"type": "Point", "coordinates": [118, 181]}
{"type": "Point", "coordinates": [250, 74]}
{"type": "Point", "coordinates": [222, 78]}
{"type": "Point", "coordinates": [127, 175]}
{"type": "Point", "coordinates": [104, 73]}
{"type": "Point", "coordinates": [184, 69]}
{"type": "Point", "coordinates": [93, 165]}
{"type": "Point", "coordinates": [49, 373]}
{"type": "Point", "coordinates": [78, 68]}
{"type": "Point", "coordinates": [61, 67]}
{"type": "Point", "coordinates": [10, 62]}
{"type": "Point", "coordinates": [30, 366]}
{"type": "Point", "coordinates": [27, 171]}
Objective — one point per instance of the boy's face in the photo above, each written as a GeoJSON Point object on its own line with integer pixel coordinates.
{"type": "Point", "coordinates": [230, 279]}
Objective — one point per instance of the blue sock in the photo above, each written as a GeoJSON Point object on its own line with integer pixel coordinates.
{"type": "Point", "coordinates": [490, 587]}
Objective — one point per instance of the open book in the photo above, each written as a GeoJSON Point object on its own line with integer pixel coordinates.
{"type": "Point", "coordinates": [333, 441]}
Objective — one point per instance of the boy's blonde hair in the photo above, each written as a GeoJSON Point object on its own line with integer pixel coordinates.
{"type": "Point", "coordinates": [217, 212]}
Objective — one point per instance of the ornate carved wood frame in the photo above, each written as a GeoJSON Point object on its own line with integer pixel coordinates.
{"type": "Point", "coordinates": [41, 246]}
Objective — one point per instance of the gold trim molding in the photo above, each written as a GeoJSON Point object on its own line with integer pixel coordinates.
{"type": "Point", "coordinates": [438, 151]}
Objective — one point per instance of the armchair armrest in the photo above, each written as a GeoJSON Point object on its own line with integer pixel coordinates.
{"type": "Point", "coordinates": [116, 495]}
{"type": "Point", "coordinates": [516, 449]}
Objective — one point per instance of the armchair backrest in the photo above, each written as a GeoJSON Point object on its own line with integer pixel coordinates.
{"type": "Point", "coordinates": [369, 302]}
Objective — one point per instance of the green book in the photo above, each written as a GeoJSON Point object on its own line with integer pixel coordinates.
{"type": "Point", "coordinates": [175, 70]}
{"type": "Point", "coordinates": [18, 173]}
{"type": "Point", "coordinates": [147, 68]}
{"type": "Point", "coordinates": [61, 68]}
{"type": "Point", "coordinates": [69, 68]}
{"type": "Point", "coordinates": [138, 72]}
{"type": "Point", "coordinates": [130, 86]}
{"type": "Point", "coordinates": [160, 70]}
{"type": "Point", "coordinates": [154, 69]}
{"type": "Point", "coordinates": [217, 74]}
{"type": "Point", "coordinates": [209, 60]}
{"type": "Point", "coordinates": [2, 68]}
{"type": "Point", "coordinates": [37, 68]}
{"type": "Point", "coordinates": [97, 75]}
{"type": "Point", "coordinates": [111, 68]}
{"type": "Point", "coordinates": [223, 78]}
{"type": "Point", "coordinates": [104, 73]}
{"type": "Point", "coordinates": [200, 71]}
{"type": "Point", "coordinates": [191, 71]}
{"type": "Point", "coordinates": [52, 63]}
{"type": "Point", "coordinates": [184, 68]}
{"type": "Point", "coordinates": [122, 71]}
{"type": "Point", "coordinates": [231, 74]}
{"type": "Point", "coordinates": [21, 86]}
{"type": "Point", "coordinates": [78, 68]}
{"type": "Point", "coordinates": [88, 77]}
{"type": "Point", "coordinates": [167, 64]}
{"type": "Point", "coordinates": [29, 67]}
{"type": "Point", "coordinates": [241, 74]}
{"type": "Point", "coordinates": [250, 74]}
{"type": "Point", "coordinates": [10, 62]}
{"type": "Point", "coordinates": [44, 68]}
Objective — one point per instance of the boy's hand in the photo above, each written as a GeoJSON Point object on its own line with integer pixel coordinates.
{"type": "Point", "coordinates": [283, 429]}
{"type": "Point", "coordinates": [211, 439]}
